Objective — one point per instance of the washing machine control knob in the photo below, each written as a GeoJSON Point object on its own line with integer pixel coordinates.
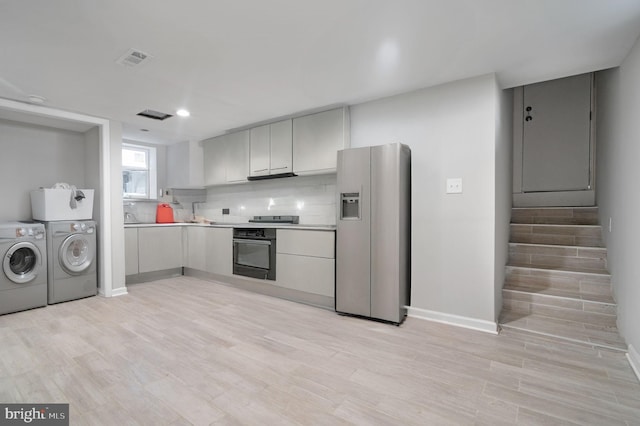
{"type": "Point", "coordinates": [21, 232]}
{"type": "Point", "coordinates": [76, 226]}
{"type": "Point", "coordinates": [83, 227]}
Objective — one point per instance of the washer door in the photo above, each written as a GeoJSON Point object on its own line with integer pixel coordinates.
{"type": "Point", "coordinates": [76, 254]}
{"type": "Point", "coordinates": [21, 261]}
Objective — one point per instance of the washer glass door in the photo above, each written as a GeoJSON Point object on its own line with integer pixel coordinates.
{"type": "Point", "coordinates": [20, 262]}
{"type": "Point", "coordinates": [76, 254]}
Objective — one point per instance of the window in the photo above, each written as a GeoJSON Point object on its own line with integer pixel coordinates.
{"type": "Point", "coordinates": [138, 171]}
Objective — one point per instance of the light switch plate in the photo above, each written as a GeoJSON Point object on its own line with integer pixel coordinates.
{"type": "Point", "coordinates": [454, 186]}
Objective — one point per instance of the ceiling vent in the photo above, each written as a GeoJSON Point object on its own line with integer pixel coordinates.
{"type": "Point", "coordinates": [156, 115]}
{"type": "Point", "coordinates": [133, 57]}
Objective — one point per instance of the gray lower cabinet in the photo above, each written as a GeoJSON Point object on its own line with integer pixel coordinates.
{"type": "Point", "coordinates": [130, 251]}
{"type": "Point", "coordinates": [195, 253]}
{"type": "Point", "coordinates": [159, 248]}
{"type": "Point", "coordinates": [305, 261]}
{"type": "Point", "coordinates": [219, 251]}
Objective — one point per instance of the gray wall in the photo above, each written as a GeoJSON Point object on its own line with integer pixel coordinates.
{"type": "Point", "coordinates": [451, 130]}
{"type": "Point", "coordinates": [618, 151]}
{"type": "Point", "coordinates": [36, 156]}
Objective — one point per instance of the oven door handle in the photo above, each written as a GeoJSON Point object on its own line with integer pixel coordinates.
{"type": "Point", "coordinates": [258, 242]}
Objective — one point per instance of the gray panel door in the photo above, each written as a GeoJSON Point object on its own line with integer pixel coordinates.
{"type": "Point", "coordinates": [385, 216]}
{"type": "Point", "coordinates": [556, 135]}
{"type": "Point", "coordinates": [353, 255]}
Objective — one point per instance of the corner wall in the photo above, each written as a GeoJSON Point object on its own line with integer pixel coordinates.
{"type": "Point", "coordinates": [617, 155]}
{"type": "Point", "coordinates": [451, 130]}
{"type": "Point", "coordinates": [504, 198]}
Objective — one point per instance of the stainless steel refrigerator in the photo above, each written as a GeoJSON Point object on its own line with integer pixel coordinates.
{"type": "Point", "coordinates": [373, 248]}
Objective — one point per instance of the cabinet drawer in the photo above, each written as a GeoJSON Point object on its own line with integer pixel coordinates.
{"type": "Point", "coordinates": [306, 243]}
{"type": "Point", "coordinates": [314, 275]}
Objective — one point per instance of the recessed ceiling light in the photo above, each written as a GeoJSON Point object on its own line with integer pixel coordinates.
{"type": "Point", "coordinates": [183, 113]}
{"type": "Point", "coordinates": [35, 99]}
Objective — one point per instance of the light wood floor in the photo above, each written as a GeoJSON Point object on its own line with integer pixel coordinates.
{"type": "Point", "coordinates": [185, 351]}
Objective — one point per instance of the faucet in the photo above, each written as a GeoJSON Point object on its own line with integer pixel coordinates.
{"type": "Point", "coordinates": [193, 208]}
{"type": "Point", "coordinates": [130, 218]}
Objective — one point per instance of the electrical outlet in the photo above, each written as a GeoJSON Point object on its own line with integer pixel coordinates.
{"type": "Point", "coordinates": [454, 186]}
{"type": "Point", "coordinates": [225, 211]}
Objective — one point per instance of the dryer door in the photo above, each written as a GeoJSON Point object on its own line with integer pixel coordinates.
{"type": "Point", "coordinates": [21, 262]}
{"type": "Point", "coordinates": [76, 254]}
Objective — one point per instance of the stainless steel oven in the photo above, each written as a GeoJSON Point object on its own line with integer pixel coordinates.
{"type": "Point", "coordinates": [254, 252]}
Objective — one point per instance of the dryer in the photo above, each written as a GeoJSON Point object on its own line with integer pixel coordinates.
{"type": "Point", "coordinates": [23, 281]}
{"type": "Point", "coordinates": [71, 265]}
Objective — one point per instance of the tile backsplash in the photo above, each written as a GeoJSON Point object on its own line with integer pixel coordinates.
{"type": "Point", "coordinates": [312, 198]}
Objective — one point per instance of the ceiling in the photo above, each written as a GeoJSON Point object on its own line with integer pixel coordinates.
{"type": "Point", "coordinates": [237, 62]}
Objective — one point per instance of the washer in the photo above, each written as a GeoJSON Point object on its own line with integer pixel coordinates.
{"type": "Point", "coordinates": [23, 282]}
{"type": "Point", "coordinates": [71, 265]}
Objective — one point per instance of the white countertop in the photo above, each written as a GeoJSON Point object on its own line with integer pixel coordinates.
{"type": "Point", "coordinates": [236, 225]}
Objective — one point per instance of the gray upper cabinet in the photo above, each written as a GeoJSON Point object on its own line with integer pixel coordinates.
{"type": "Point", "coordinates": [237, 156]}
{"type": "Point", "coordinates": [271, 149]}
{"type": "Point", "coordinates": [259, 152]}
{"type": "Point", "coordinates": [226, 158]}
{"type": "Point", "coordinates": [281, 151]}
{"type": "Point", "coordinates": [317, 138]}
{"type": "Point", "coordinates": [185, 165]}
{"type": "Point", "coordinates": [215, 159]}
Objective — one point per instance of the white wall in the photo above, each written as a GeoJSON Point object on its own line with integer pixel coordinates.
{"type": "Point", "coordinates": [504, 166]}
{"type": "Point", "coordinates": [451, 130]}
{"type": "Point", "coordinates": [618, 152]}
{"type": "Point", "coordinates": [117, 215]}
{"type": "Point", "coordinates": [33, 157]}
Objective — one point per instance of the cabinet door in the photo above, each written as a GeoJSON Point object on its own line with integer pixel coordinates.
{"type": "Point", "coordinates": [219, 249]}
{"type": "Point", "coordinates": [317, 139]}
{"type": "Point", "coordinates": [238, 156]}
{"type": "Point", "coordinates": [130, 251]}
{"type": "Point", "coordinates": [159, 248]}
{"type": "Point", "coordinates": [215, 154]}
{"type": "Point", "coordinates": [185, 165]}
{"type": "Point", "coordinates": [196, 257]}
{"type": "Point", "coordinates": [281, 147]}
{"type": "Point", "coordinates": [259, 151]}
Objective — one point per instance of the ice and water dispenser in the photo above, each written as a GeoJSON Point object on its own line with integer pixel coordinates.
{"type": "Point", "coordinates": [350, 206]}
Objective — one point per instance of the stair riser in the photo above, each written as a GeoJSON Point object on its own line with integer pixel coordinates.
{"type": "Point", "coordinates": [557, 235]}
{"type": "Point", "coordinates": [542, 279]}
{"type": "Point", "coordinates": [603, 314]}
{"type": "Point", "coordinates": [561, 216]}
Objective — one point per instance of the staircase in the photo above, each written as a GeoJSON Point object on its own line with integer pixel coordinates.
{"type": "Point", "coordinates": [557, 283]}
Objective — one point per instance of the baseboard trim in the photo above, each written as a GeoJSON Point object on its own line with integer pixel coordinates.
{"type": "Point", "coordinates": [634, 359]}
{"type": "Point", "coordinates": [456, 320]}
{"type": "Point", "coordinates": [122, 291]}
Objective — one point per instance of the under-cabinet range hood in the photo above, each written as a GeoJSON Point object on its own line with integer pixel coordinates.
{"type": "Point", "coordinates": [274, 176]}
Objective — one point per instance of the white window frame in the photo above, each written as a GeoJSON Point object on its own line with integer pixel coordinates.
{"type": "Point", "coordinates": [152, 182]}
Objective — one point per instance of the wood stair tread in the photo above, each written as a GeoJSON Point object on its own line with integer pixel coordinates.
{"type": "Point", "coordinates": [599, 271]}
{"type": "Point", "coordinates": [560, 271]}
{"type": "Point", "coordinates": [606, 337]}
{"type": "Point", "coordinates": [552, 292]}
